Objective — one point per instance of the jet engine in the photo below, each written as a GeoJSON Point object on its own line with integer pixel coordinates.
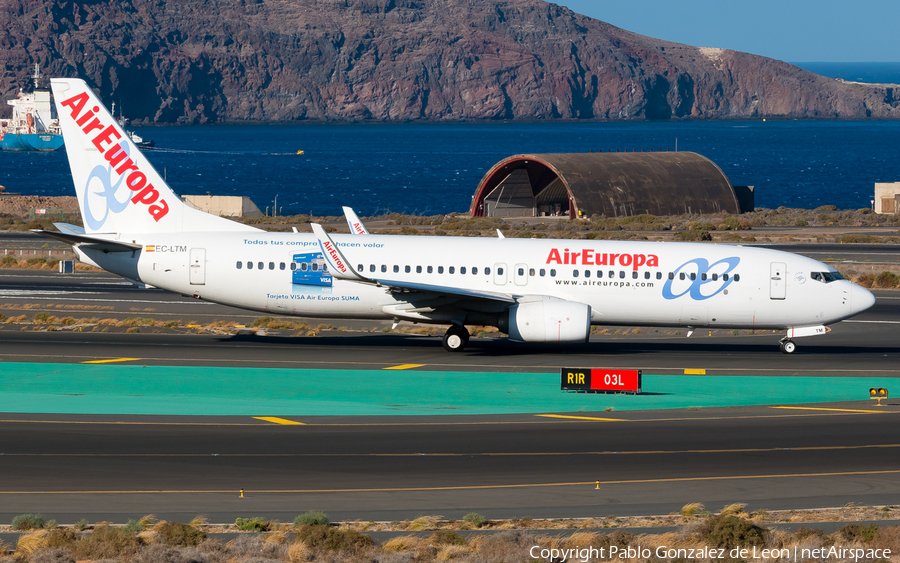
{"type": "Point", "coordinates": [545, 319]}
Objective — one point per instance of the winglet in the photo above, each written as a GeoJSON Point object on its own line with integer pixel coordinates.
{"type": "Point", "coordinates": [499, 234]}
{"type": "Point", "coordinates": [356, 226]}
{"type": "Point", "coordinates": [338, 266]}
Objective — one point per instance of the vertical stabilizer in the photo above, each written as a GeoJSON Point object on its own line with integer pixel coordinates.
{"type": "Point", "coordinates": [118, 190]}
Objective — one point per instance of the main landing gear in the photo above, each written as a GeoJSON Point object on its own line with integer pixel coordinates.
{"type": "Point", "coordinates": [456, 338]}
{"type": "Point", "coordinates": [788, 346]}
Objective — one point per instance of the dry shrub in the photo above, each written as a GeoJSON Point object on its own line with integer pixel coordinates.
{"type": "Point", "coordinates": [888, 538]}
{"type": "Point", "coordinates": [506, 547]}
{"type": "Point", "coordinates": [29, 543]}
{"type": "Point", "coordinates": [52, 555]}
{"type": "Point", "coordinates": [423, 523]}
{"type": "Point", "coordinates": [691, 510]}
{"type": "Point", "coordinates": [327, 538]}
{"type": "Point", "coordinates": [298, 552]}
{"type": "Point", "coordinates": [402, 543]}
{"type": "Point", "coordinates": [450, 552]}
{"type": "Point", "coordinates": [731, 531]}
{"type": "Point", "coordinates": [278, 537]}
{"type": "Point", "coordinates": [252, 545]}
{"type": "Point", "coordinates": [734, 509]}
{"type": "Point", "coordinates": [107, 542]}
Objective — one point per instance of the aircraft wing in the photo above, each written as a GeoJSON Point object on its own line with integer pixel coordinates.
{"type": "Point", "coordinates": [340, 267]}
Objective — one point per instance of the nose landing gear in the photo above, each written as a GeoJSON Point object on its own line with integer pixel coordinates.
{"type": "Point", "coordinates": [456, 338]}
{"type": "Point", "coordinates": [788, 346]}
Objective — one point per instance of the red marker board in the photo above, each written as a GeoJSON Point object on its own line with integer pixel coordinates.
{"type": "Point", "coordinates": [600, 380]}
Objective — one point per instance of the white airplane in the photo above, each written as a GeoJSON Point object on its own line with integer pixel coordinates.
{"type": "Point", "coordinates": [534, 290]}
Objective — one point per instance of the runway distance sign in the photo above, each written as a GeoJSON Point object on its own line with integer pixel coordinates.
{"type": "Point", "coordinates": [600, 380]}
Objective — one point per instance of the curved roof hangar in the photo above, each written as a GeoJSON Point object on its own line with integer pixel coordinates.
{"type": "Point", "coordinates": [605, 183]}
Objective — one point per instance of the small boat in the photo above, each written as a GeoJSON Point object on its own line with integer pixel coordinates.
{"type": "Point", "coordinates": [32, 126]}
{"type": "Point", "coordinates": [140, 142]}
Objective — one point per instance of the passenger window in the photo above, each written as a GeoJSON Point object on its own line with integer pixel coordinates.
{"type": "Point", "coordinates": [396, 269]}
{"type": "Point", "coordinates": [383, 268]}
{"type": "Point", "coordinates": [672, 276]}
{"type": "Point", "coordinates": [430, 269]}
{"type": "Point", "coordinates": [281, 266]}
{"type": "Point", "coordinates": [715, 277]}
{"type": "Point", "coordinates": [440, 269]}
{"type": "Point", "coordinates": [599, 273]}
{"type": "Point", "coordinates": [634, 275]}
{"type": "Point", "coordinates": [575, 273]}
{"type": "Point", "coordinates": [418, 269]}
{"type": "Point", "coordinates": [304, 266]}
{"type": "Point", "coordinates": [451, 270]}
{"type": "Point", "coordinates": [693, 276]}
{"type": "Point", "coordinates": [646, 275]}
{"type": "Point", "coordinates": [737, 277]}
{"type": "Point", "coordinates": [371, 267]}
{"type": "Point", "coordinates": [499, 271]}
{"type": "Point", "coordinates": [474, 271]}
{"type": "Point", "coordinates": [659, 275]}
{"type": "Point", "coordinates": [249, 265]}
{"type": "Point", "coordinates": [622, 275]}
{"type": "Point", "coordinates": [542, 272]}
{"type": "Point", "coordinates": [260, 265]}
{"type": "Point", "coordinates": [724, 277]}
{"type": "Point", "coordinates": [487, 271]}
{"type": "Point", "coordinates": [462, 270]}
{"type": "Point", "coordinates": [315, 267]}
{"type": "Point", "coordinates": [703, 276]}
{"type": "Point", "coordinates": [681, 275]}
{"type": "Point", "coordinates": [552, 273]}
{"type": "Point", "coordinates": [240, 265]}
{"type": "Point", "coordinates": [612, 274]}
{"type": "Point", "coordinates": [407, 269]}
{"type": "Point", "coordinates": [587, 273]}
{"type": "Point", "coordinates": [293, 266]}
{"type": "Point", "coordinates": [360, 268]}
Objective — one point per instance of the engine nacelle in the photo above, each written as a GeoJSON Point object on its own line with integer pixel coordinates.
{"type": "Point", "coordinates": [547, 320]}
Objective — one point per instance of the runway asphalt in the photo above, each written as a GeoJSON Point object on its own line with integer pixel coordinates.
{"type": "Point", "coordinates": [119, 465]}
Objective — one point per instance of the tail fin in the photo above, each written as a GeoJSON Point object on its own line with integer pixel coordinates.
{"type": "Point", "coordinates": [356, 226]}
{"type": "Point", "coordinates": [118, 190]}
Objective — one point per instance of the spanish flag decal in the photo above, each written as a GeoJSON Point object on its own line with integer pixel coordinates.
{"type": "Point", "coordinates": [151, 248]}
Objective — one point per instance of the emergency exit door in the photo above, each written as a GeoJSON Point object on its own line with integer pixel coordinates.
{"type": "Point", "coordinates": [198, 266]}
{"type": "Point", "coordinates": [777, 281]}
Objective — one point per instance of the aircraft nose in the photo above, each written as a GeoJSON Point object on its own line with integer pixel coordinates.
{"type": "Point", "coordinates": [860, 299]}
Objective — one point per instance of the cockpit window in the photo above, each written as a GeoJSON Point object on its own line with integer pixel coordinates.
{"type": "Point", "coordinates": [826, 277]}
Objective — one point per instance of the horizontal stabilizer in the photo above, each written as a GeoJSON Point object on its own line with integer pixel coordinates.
{"type": "Point", "coordinates": [97, 243]}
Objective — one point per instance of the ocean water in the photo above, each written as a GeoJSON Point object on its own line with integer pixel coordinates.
{"type": "Point", "coordinates": [435, 168]}
{"type": "Point", "coordinates": [875, 73]}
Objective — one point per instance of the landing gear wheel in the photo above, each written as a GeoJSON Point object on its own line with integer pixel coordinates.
{"type": "Point", "coordinates": [788, 347]}
{"type": "Point", "coordinates": [456, 339]}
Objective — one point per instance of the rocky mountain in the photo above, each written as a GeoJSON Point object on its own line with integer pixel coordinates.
{"type": "Point", "coordinates": [197, 61]}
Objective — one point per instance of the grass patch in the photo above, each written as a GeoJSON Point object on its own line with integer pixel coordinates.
{"type": "Point", "coordinates": [28, 522]}
{"type": "Point", "coordinates": [312, 518]}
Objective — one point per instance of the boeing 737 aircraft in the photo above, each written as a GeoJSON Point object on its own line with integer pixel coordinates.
{"type": "Point", "coordinates": [534, 290]}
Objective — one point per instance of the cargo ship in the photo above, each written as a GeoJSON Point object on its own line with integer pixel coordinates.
{"type": "Point", "coordinates": [32, 126]}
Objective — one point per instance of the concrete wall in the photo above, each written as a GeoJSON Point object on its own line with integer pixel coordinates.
{"type": "Point", "coordinates": [887, 198]}
{"type": "Point", "coordinates": [223, 205]}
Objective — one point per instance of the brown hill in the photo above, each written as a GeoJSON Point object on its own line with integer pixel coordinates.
{"type": "Point", "coordinates": [208, 60]}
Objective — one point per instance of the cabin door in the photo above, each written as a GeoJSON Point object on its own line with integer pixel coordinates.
{"type": "Point", "coordinates": [777, 281]}
{"type": "Point", "coordinates": [198, 266]}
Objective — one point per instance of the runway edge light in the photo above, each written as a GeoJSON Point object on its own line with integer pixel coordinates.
{"type": "Point", "coordinates": [600, 380]}
{"type": "Point", "coordinates": [878, 393]}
